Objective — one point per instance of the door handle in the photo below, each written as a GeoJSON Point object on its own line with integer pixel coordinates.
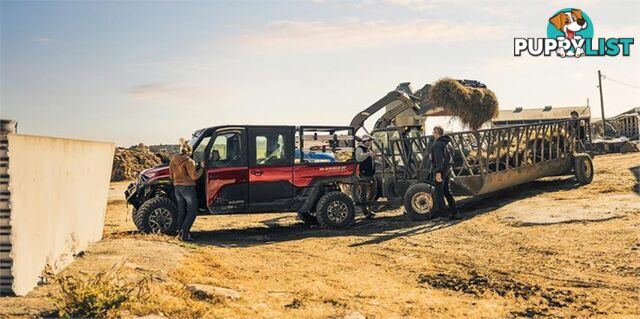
{"type": "Point", "coordinates": [257, 172]}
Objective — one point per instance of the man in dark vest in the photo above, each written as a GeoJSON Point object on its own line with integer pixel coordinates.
{"type": "Point", "coordinates": [442, 159]}
{"type": "Point", "coordinates": [579, 131]}
{"type": "Point", "coordinates": [367, 169]}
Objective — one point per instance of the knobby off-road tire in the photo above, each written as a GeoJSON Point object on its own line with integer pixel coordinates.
{"type": "Point", "coordinates": [583, 168]}
{"type": "Point", "coordinates": [418, 202]}
{"type": "Point", "coordinates": [308, 219]}
{"type": "Point", "coordinates": [335, 210]}
{"type": "Point", "coordinates": [157, 215]}
{"type": "Point", "coordinates": [137, 218]}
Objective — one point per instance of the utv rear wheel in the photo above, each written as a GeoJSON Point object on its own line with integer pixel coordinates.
{"type": "Point", "coordinates": [335, 210]}
{"type": "Point", "coordinates": [157, 215]}
{"type": "Point", "coordinates": [418, 202]}
{"type": "Point", "coordinates": [308, 219]}
{"type": "Point", "coordinates": [583, 167]}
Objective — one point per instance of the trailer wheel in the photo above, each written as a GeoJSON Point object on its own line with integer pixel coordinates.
{"type": "Point", "coordinates": [418, 202]}
{"type": "Point", "coordinates": [308, 219]}
{"type": "Point", "coordinates": [583, 167]}
{"type": "Point", "coordinates": [335, 210]}
{"type": "Point", "coordinates": [157, 215]}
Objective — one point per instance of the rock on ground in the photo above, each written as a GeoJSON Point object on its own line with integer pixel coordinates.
{"type": "Point", "coordinates": [208, 292]}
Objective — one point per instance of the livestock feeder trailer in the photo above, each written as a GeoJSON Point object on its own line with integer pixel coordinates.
{"type": "Point", "coordinates": [485, 161]}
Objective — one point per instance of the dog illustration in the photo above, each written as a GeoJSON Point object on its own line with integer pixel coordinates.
{"type": "Point", "coordinates": [569, 23]}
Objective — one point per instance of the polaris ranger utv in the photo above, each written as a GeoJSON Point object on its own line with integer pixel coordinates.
{"type": "Point", "coordinates": [258, 169]}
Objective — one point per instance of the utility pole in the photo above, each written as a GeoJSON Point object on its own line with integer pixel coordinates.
{"type": "Point", "coordinates": [604, 121]}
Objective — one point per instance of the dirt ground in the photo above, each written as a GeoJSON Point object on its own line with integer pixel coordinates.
{"type": "Point", "coordinates": [549, 248]}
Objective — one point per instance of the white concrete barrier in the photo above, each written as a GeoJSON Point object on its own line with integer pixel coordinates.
{"type": "Point", "coordinates": [57, 191]}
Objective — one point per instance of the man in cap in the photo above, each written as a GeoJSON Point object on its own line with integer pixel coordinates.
{"type": "Point", "coordinates": [367, 169]}
{"type": "Point", "coordinates": [578, 129]}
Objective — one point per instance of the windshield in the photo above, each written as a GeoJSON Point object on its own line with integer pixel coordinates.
{"type": "Point", "coordinates": [198, 144]}
{"type": "Point", "coordinates": [193, 140]}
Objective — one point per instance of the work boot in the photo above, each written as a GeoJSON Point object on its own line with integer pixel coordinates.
{"type": "Point", "coordinates": [368, 214]}
{"type": "Point", "coordinates": [439, 213]}
{"type": "Point", "coordinates": [455, 215]}
{"type": "Point", "coordinates": [187, 239]}
{"type": "Point", "coordinates": [186, 236]}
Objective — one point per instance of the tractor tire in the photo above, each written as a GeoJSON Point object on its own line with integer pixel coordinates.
{"type": "Point", "coordinates": [157, 215]}
{"type": "Point", "coordinates": [335, 210]}
{"type": "Point", "coordinates": [308, 219]}
{"type": "Point", "coordinates": [418, 202]}
{"type": "Point", "coordinates": [583, 168]}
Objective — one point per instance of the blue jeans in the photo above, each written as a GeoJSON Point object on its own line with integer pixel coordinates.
{"type": "Point", "coordinates": [187, 208]}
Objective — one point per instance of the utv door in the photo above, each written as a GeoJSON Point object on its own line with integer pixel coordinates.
{"type": "Point", "coordinates": [227, 177]}
{"type": "Point", "coordinates": [270, 168]}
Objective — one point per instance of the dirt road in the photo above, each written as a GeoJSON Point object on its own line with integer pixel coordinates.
{"type": "Point", "coordinates": [548, 248]}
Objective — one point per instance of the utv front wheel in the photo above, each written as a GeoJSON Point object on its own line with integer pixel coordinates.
{"type": "Point", "coordinates": [137, 219]}
{"type": "Point", "coordinates": [335, 210]}
{"type": "Point", "coordinates": [157, 215]}
{"type": "Point", "coordinates": [418, 202]}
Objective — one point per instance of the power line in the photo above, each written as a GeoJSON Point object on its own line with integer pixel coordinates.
{"type": "Point", "coordinates": [620, 82]}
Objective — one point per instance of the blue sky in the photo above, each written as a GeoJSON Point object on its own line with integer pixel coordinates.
{"type": "Point", "coordinates": [152, 72]}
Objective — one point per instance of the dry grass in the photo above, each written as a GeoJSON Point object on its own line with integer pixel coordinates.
{"type": "Point", "coordinates": [473, 106]}
{"type": "Point", "coordinates": [392, 268]}
{"type": "Point", "coordinates": [102, 295]}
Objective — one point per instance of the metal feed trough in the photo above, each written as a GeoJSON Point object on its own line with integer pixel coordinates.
{"type": "Point", "coordinates": [488, 160]}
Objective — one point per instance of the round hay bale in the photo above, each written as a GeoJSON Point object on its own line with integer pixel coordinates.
{"type": "Point", "coordinates": [473, 106]}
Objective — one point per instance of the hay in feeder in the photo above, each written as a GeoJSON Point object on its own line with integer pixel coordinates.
{"type": "Point", "coordinates": [473, 106]}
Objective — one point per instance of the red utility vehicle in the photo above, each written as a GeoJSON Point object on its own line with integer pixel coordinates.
{"type": "Point", "coordinates": [258, 169]}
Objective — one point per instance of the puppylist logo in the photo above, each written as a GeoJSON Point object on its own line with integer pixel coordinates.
{"type": "Point", "coordinates": [570, 34]}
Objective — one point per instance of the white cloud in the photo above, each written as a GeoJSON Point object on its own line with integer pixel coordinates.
{"type": "Point", "coordinates": [341, 4]}
{"type": "Point", "coordinates": [171, 93]}
{"type": "Point", "coordinates": [290, 36]}
{"type": "Point", "coordinates": [413, 4]}
{"type": "Point", "coordinates": [417, 5]}
{"type": "Point", "coordinates": [44, 40]}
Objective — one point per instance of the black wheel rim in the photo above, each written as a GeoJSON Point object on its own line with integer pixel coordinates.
{"type": "Point", "coordinates": [337, 212]}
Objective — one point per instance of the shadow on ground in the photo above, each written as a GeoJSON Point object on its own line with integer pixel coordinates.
{"type": "Point", "coordinates": [375, 231]}
{"type": "Point", "coordinates": [381, 228]}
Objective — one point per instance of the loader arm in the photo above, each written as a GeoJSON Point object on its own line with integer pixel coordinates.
{"type": "Point", "coordinates": [402, 102]}
{"type": "Point", "coordinates": [402, 99]}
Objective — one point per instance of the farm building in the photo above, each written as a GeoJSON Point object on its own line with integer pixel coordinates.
{"type": "Point", "coordinates": [520, 115]}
